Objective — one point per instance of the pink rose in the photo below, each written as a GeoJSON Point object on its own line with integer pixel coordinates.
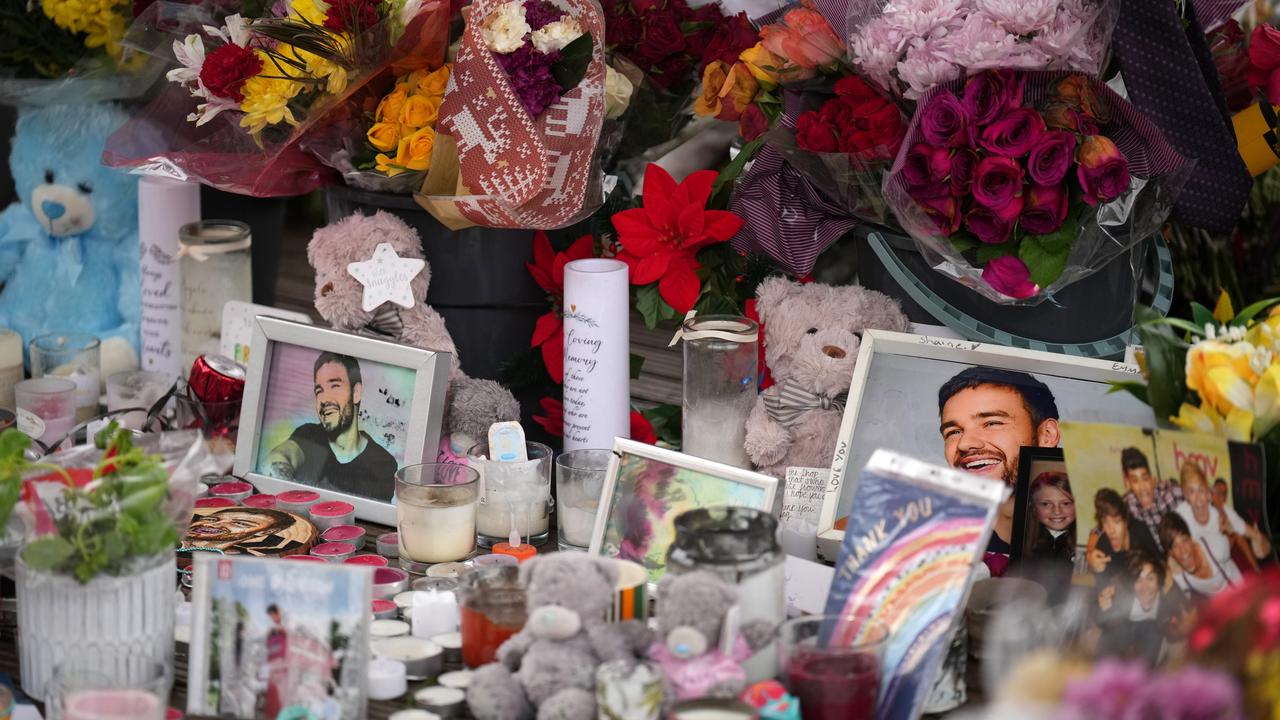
{"type": "Point", "coordinates": [926, 165]}
{"type": "Point", "coordinates": [963, 165]}
{"type": "Point", "coordinates": [996, 182]}
{"type": "Point", "coordinates": [943, 210]}
{"type": "Point", "coordinates": [988, 95]}
{"type": "Point", "coordinates": [944, 121]}
{"type": "Point", "coordinates": [1102, 170]}
{"type": "Point", "coordinates": [1264, 55]}
{"type": "Point", "coordinates": [990, 227]}
{"type": "Point", "coordinates": [1010, 276]}
{"type": "Point", "coordinates": [804, 37]}
{"type": "Point", "coordinates": [1014, 134]}
{"type": "Point", "coordinates": [1045, 209]}
{"type": "Point", "coordinates": [1050, 160]}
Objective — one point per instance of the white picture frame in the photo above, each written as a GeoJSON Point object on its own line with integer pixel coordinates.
{"type": "Point", "coordinates": [877, 345]}
{"type": "Point", "coordinates": [425, 411]}
{"type": "Point", "coordinates": [738, 482]}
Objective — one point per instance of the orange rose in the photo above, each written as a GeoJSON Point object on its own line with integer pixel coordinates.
{"type": "Point", "coordinates": [384, 136]}
{"type": "Point", "coordinates": [434, 83]}
{"type": "Point", "coordinates": [737, 93]}
{"type": "Point", "coordinates": [713, 79]}
{"type": "Point", "coordinates": [389, 109]}
{"type": "Point", "coordinates": [419, 147]}
{"type": "Point", "coordinates": [420, 110]}
{"type": "Point", "coordinates": [764, 65]}
{"type": "Point", "coordinates": [803, 37]}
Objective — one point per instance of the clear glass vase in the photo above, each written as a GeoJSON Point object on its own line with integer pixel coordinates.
{"type": "Point", "coordinates": [721, 360]}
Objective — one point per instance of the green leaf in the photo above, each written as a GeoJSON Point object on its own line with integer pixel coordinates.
{"type": "Point", "coordinates": [637, 363]}
{"type": "Point", "coordinates": [1046, 255]}
{"type": "Point", "coordinates": [964, 242]}
{"type": "Point", "coordinates": [575, 58]}
{"type": "Point", "coordinates": [1165, 357]}
{"type": "Point", "coordinates": [723, 186]}
{"type": "Point", "coordinates": [987, 253]}
{"type": "Point", "coordinates": [1133, 387]}
{"type": "Point", "coordinates": [1201, 316]}
{"type": "Point", "coordinates": [1183, 325]}
{"type": "Point", "coordinates": [1247, 314]}
{"type": "Point", "coordinates": [47, 553]}
{"type": "Point", "coordinates": [652, 307]}
{"type": "Point", "coordinates": [665, 420]}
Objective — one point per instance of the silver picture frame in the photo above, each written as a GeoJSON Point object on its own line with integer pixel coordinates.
{"type": "Point", "coordinates": [425, 413]}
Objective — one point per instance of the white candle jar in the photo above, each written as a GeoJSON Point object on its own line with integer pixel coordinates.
{"type": "Point", "coordinates": [721, 362]}
{"type": "Point", "coordinates": [513, 495]}
{"type": "Point", "coordinates": [579, 482]}
{"type": "Point", "coordinates": [76, 357]}
{"type": "Point", "coordinates": [216, 268]}
{"type": "Point", "coordinates": [435, 514]}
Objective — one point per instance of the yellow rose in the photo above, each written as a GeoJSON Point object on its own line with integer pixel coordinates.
{"type": "Point", "coordinates": [384, 136]}
{"type": "Point", "coordinates": [713, 77]}
{"type": "Point", "coordinates": [1220, 373]}
{"type": "Point", "coordinates": [389, 109]}
{"type": "Point", "coordinates": [763, 65]}
{"type": "Point", "coordinates": [739, 90]}
{"type": "Point", "coordinates": [419, 111]}
{"type": "Point", "coordinates": [434, 83]}
{"type": "Point", "coordinates": [410, 81]}
{"type": "Point", "coordinates": [1266, 401]}
{"type": "Point", "coordinates": [419, 146]}
{"type": "Point", "coordinates": [393, 166]}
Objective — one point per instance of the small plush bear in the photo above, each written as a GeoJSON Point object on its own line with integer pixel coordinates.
{"type": "Point", "coordinates": [69, 246]}
{"type": "Point", "coordinates": [548, 669]}
{"type": "Point", "coordinates": [812, 333]}
{"type": "Point", "coordinates": [695, 610]}
{"type": "Point", "coordinates": [473, 404]}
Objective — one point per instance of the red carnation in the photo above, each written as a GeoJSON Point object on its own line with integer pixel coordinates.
{"type": "Point", "coordinates": [351, 15]}
{"type": "Point", "coordinates": [226, 69]}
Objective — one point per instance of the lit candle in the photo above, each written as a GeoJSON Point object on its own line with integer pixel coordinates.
{"type": "Point", "coordinates": [330, 514]}
{"type": "Point", "coordinates": [334, 551]}
{"type": "Point", "coordinates": [261, 500]}
{"type": "Point", "coordinates": [436, 533]}
{"type": "Point", "coordinates": [112, 705]}
{"type": "Point", "coordinates": [353, 534]}
{"type": "Point", "coordinates": [388, 628]}
{"type": "Point", "coordinates": [387, 679]}
{"type": "Point", "coordinates": [298, 502]}
{"type": "Point", "coordinates": [421, 658]}
{"type": "Point", "coordinates": [443, 701]}
{"type": "Point", "coordinates": [235, 491]}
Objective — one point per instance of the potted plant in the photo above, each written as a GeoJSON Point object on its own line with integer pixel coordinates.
{"type": "Point", "coordinates": [97, 581]}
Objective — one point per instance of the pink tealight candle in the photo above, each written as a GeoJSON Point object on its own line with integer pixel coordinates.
{"type": "Point", "coordinates": [330, 514]}
{"type": "Point", "coordinates": [389, 582]}
{"type": "Point", "coordinates": [173, 714]}
{"type": "Point", "coordinates": [334, 551]}
{"type": "Point", "coordinates": [235, 491]}
{"type": "Point", "coordinates": [298, 502]}
{"type": "Point", "coordinates": [305, 558]}
{"type": "Point", "coordinates": [384, 610]}
{"type": "Point", "coordinates": [368, 560]}
{"type": "Point", "coordinates": [389, 545]}
{"type": "Point", "coordinates": [112, 705]}
{"type": "Point", "coordinates": [215, 502]}
{"type": "Point", "coordinates": [353, 534]}
{"type": "Point", "coordinates": [264, 501]}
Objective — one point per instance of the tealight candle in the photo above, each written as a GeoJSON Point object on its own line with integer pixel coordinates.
{"type": "Point", "coordinates": [388, 628]}
{"type": "Point", "coordinates": [329, 514]}
{"type": "Point", "coordinates": [492, 560]}
{"type": "Point", "coordinates": [451, 643]}
{"type": "Point", "coordinates": [443, 701]}
{"type": "Point", "coordinates": [388, 545]}
{"type": "Point", "coordinates": [334, 551]}
{"type": "Point", "coordinates": [713, 709]}
{"type": "Point", "coordinates": [434, 612]}
{"type": "Point", "coordinates": [235, 491]}
{"type": "Point", "coordinates": [367, 560]}
{"type": "Point", "coordinates": [215, 502]}
{"type": "Point", "coordinates": [353, 534]}
{"type": "Point", "coordinates": [448, 570]}
{"type": "Point", "coordinates": [305, 558]}
{"type": "Point", "coordinates": [389, 582]}
{"type": "Point", "coordinates": [261, 500]}
{"type": "Point", "coordinates": [404, 601]}
{"type": "Point", "coordinates": [122, 704]}
{"type": "Point", "coordinates": [459, 679]}
{"type": "Point", "coordinates": [428, 584]}
{"type": "Point", "coordinates": [413, 714]}
{"type": "Point", "coordinates": [384, 610]}
{"type": "Point", "coordinates": [520, 552]}
{"type": "Point", "coordinates": [421, 658]}
{"type": "Point", "coordinates": [298, 502]}
{"type": "Point", "coordinates": [387, 679]}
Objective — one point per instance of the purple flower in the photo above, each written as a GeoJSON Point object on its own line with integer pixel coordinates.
{"type": "Point", "coordinates": [926, 165]}
{"type": "Point", "coordinates": [1010, 276]}
{"type": "Point", "coordinates": [1014, 134]}
{"type": "Point", "coordinates": [945, 123]}
{"type": "Point", "coordinates": [530, 73]}
{"type": "Point", "coordinates": [1052, 157]}
{"type": "Point", "coordinates": [963, 165]}
{"type": "Point", "coordinates": [974, 41]}
{"type": "Point", "coordinates": [539, 13]}
{"type": "Point", "coordinates": [997, 181]}
{"type": "Point", "coordinates": [989, 95]}
{"type": "Point", "coordinates": [1045, 209]}
{"type": "Point", "coordinates": [1189, 694]}
{"type": "Point", "coordinates": [1107, 692]}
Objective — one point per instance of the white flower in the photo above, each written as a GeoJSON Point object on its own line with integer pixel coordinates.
{"type": "Point", "coordinates": [1020, 17]}
{"type": "Point", "coordinates": [554, 36]}
{"type": "Point", "coordinates": [504, 29]}
{"type": "Point", "coordinates": [209, 110]}
{"type": "Point", "coordinates": [924, 67]}
{"type": "Point", "coordinates": [235, 31]}
{"type": "Point", "coordinates": [917, 18]}
{"type": "Point", "coordinates": [617, 93]}
{"type": "Point", "coordinates": [190, 53]}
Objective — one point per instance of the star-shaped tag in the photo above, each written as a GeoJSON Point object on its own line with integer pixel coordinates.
{"type": "Point", "coordinates": [386, 277]}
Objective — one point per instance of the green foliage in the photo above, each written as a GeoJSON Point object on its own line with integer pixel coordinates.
{"type": "Point", "coordinates": [32, 45]}
{"type": "Point", "coordinates": [637, 364]}
{"type": "Point", "coordinates": [665, 420]}
{"type": "Point", "coordinates": [652, 307]}
{"type": "Point", "coordinates": [575, 58]}
{"type": "Point", "coordinates": [1165, 359]}
{"type": "Point", "coordinates": [987, 253]}
{"type": "Point", "coordinates": [653, 117]}
{"type": "Point", "coordinates": [1046, 255]}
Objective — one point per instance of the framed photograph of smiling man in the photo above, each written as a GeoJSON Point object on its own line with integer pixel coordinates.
{"type": "Point", "coordinates": [967, 405]}
{"type": "Point", "coordinates": [338, 413]}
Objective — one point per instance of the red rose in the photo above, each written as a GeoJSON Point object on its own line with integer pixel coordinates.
{"type": "Point", "coordinates": [351, 15]}
{"type": "Point", "coordinates": [661, 34]}
{"type": "Point", "coordinates": [854, 89]}
{"type": "Point", "coordinates": [876, 130]}
{"type": "Point", "coordinates": [728, 41]}
{"type": "Point", "coordinates": [753, 123]}
{"type": "Point", "coordinates": [926, 166]}
{"type": "Point", "coordinates": [963, 166]}
{"type": "Point", "coordinates": [643, 6]}
{"type": "Point", "coordinates": [813, 133]}
{"type": "Point", "coordinates": [621, 31]}
{"type": "Point", "coordinates": [226, 69]}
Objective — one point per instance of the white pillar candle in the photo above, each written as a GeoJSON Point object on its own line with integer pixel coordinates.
{"type": "Point", "coordinates": [164, 206]}
{"type": "Point", "coordinates": [387, 679]}
{"type": "Point", "coordinates": [421, 658]}
{"type": "Point", "coordinates": [434, 612]}
{"type": "Point", "coordinates": [597, 362]}
{"type": "Point", "coordinates": [436, 533]}
{"type": "Point", "coordinates": [11, 371]}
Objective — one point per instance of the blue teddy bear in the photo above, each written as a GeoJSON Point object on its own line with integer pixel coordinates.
{"type": "Point", "coordinates": [69, 246]}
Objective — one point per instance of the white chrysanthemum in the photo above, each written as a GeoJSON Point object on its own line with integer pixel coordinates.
{"type": "Point", "coordinates": [554, 36]}
{"type": "Point", "coordinates": [504, 29]}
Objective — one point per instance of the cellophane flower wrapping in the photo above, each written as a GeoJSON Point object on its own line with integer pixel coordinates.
{"type": "Point", "coordinates": [523, 171]}
{"type": "Point", "coordinates": [278, 158]}
{"type": "Point", "coordinates": [907, 47]}
{"type": "Point", "coordinates": [982, 251]}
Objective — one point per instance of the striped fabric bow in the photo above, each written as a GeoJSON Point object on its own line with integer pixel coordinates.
{"type": "Point", "coordinates": [791, 401]}
{"type": "Point", "coordinates": [386, 321]}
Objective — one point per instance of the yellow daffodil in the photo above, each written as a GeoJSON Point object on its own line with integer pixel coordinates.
{"type": "Point", "coordinates": [384, 136]}
{"type": "Point", "coordinates": [313, 11]}
{"type": "Point", "coordinates": [266, 102]}
{"type": "Point", "coordinates": [420, 110]}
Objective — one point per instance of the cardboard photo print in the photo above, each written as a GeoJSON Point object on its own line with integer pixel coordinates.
{"type": "Point", "coordinates": [1044, 522]}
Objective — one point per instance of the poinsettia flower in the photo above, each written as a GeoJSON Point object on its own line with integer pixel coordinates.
{"type": "Point", "coordinates": [547, 270]}
{"type": "Point", "coordinates": [552, 420]}
{"type": "Point", "coordinates": [660, 240]}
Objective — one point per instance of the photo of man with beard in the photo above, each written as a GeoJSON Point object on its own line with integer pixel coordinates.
{"type": "Point", "coordinates": [987, 415]}
{"type": "Point", "coordinates": [334, 453]}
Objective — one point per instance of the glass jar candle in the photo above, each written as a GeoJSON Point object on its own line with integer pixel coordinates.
{"type": "Point", "coordinates": [491, 608]}
{"type": "Point", "coordinates": [46, 408]}
{"type": "Point", "coordinates": [513, 495]}
{"type": "Point", "coordinates": [76, 357]}
{"type": "Point", "coordinates": [580, 478]}
{"type": "Point", "coordinates": [832, 682]}
{"type": "Point", "coordinates": [740, 545]}
{"type": "Point", "coordinates": [721, 363]}
{"type": "Point", "coordinates": [216, 268]}
{"type": "Point", "coordinates": [435, 514]}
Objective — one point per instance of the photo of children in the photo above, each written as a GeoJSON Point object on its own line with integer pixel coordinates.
{"type": "Point", "coordinates": [1045, 520]}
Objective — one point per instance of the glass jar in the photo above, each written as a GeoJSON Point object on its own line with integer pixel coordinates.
{"type": "Point", "coordinates": [721, 364]}
{"type": "Point", "coordinates": [491, 604]}
{"type": "Point", "coordinates": [216, 268]}
{"type": "Point", "coordinates": [514, 495]}
{"type": "Point", "coordinates": [76, 357]}
{"type": "Point", "coordinates": [435, 514]}
{"type": "Point", "coordinates": [739, 545]}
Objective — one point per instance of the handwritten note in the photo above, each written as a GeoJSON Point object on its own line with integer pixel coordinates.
{"type": "Point", "coordinates": [597, 363]}
{"type": "Point", "coordinates": [802, 495]}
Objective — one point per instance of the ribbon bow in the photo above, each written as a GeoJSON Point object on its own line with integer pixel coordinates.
{"type": "Point", "coordinates": [792, 401]}
{"type": "Point", "coordinates": [386, 321]}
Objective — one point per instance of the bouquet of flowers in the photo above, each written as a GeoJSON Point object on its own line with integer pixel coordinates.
{"type": "Point", "coordinates": [266, 101]}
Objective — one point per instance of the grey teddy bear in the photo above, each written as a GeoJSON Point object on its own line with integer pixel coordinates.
{"type": "Point", "coordinates": [548, 669]}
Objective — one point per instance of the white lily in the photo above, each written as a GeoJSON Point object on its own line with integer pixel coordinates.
{"type": "Point", "coordinates": [209, 110]}
{"type": "Point", "coordinates": [190, 53]}
{"type": "Point", "coordinates": [236, 30]}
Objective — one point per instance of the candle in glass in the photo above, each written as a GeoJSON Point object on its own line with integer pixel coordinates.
{"type": "Point", "coordinates": [435, 514]}
{"type": "Point", "coordinates": [75, 356]}
{"type": "Point", "coordinates": [579, 481]}
{"type": "Point", "coordinates": [832, 682]}
{"type": "Point", "coordinates": [136, 389]}
{"type": "Point", "coordinates": [46, 408]}
{"type": "Point", "coordinates": [513, 495]}
{"type": "Point", "coordinates": [721, 360]}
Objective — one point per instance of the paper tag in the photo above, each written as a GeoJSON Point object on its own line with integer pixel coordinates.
{"type": "Point", "coordinates": [1131, 354]}
{"type": "Point", "coordinates": [386, 277]}
{"type": "Point", "coordinates": [806, 586]}
{"type": "Point", "coordinates": [802, 495]}
{"type": "Point", "coordinates": [30, 424]}
{"type": "Point", "coordinates": [610, 182]}
{"type": "Point", "coordinates": [237, 327]}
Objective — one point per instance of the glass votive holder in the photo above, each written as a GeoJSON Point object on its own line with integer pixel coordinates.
{"type": "Point", "coordinates": [46, 408]}
{"type": "Point", "coordinates": [833, 681]}
{"type": "Point", "coordinates": [491, 605]}
{"type": "Point", "coordinates": [136, 389]}
{"type": "Point", "coordinates": [75, 356]}
{"type": "Point", "coordinates": [435, 514]}
{"type": "Point", "coordinates": [579, 481]}
{"type": "Point", "coordinates": [79, 692]}
{"type": "Point", "coordinates": [513, 494]}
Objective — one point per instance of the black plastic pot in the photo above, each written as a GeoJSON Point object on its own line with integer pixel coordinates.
{"type": "Point", "coordinates": [265, 218]}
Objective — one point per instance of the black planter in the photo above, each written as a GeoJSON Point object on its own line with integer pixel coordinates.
{"type": "Point", "coordinates": [1092, 317]}
{"type": "Point", "coordinates": [265, 218]}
